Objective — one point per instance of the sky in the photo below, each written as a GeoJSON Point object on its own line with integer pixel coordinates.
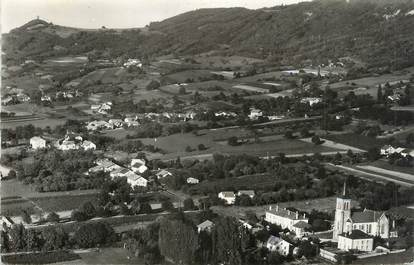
{"type": "Point", "coordinates": [111, 13]}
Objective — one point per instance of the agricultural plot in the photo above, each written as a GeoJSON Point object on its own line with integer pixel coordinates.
{"type": "Point", "coordinates": [189, 76]}
{"type": "Point", "coordinates": [107, 256]}
{"type": "Point", "coordinates": [63, 203]}
{"type": "Point", "coordinates": [252, 88]}
{"type": "Point", "coordinates": [321, 204]}
{"type": "Point", "coordinates": [356, 140]}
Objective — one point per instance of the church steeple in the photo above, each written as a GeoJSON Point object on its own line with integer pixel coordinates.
{"type": "Point", "coordinates": [344, 192]}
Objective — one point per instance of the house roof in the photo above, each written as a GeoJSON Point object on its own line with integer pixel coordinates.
{"type": "Point", "coordinates": [37, 138]}
{"type": "Point", "coordinates": [274, 240]}
{"type": "Point", "coordinates": [356, 234]}
{"type": "Point", "coordinates": [367, 216]}
{"type": "Point", "coordinates": [301, 224]}
{"type": "Point", "coordinates": [228, 194]}
{"type": "Point", "coordinates": [286, 214]}
{"type": "Point", "coordinates": [205, 224]}
{"type": "Point", "coordinates": [246, 192]}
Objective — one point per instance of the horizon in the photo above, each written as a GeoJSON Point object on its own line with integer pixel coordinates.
{"type": "Point", "coordinates": [120, 14]}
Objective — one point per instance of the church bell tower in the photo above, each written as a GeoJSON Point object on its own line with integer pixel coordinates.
{"type": "Point", "coordinates": [342, 213]}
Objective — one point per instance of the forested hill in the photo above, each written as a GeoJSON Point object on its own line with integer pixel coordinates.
{"type": "Point", "coordinates": [376, 32]}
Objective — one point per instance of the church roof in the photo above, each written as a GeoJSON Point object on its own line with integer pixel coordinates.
{"type": "Point", "coordinates": [367, 216]}
{"type": "Point", "coordinates": [356, 234]}
{"type": "Point", "coordinates": [301, 224]}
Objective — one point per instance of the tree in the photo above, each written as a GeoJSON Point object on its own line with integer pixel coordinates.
{"type": "Point", "coordinates": [289, 135]}
{"type": "Point", "coordinates": [374, 154]}
{"type": "Point", "coordinates": [78, 216]}
{"type": "Point", "coordinates": [54, 237]}
{"type": "Point", "coordinates": [53, 217]}
{"type": "Point", "coordinates": [244, 200]}
{"type": "Point", "coordinates": [188, 204]}
{"type": "Point", "coordinates": [124, 210]}
{"type": "Point", "coordinates": [12, 174]}
{"type": "Point", "coordinates": [188, 148]}
{"type": "Point", "coordinates": [233, 141]}
{"type": "Point", "coordinates": [316, 140]}
{"type": "Point", "coordinates": [145, 208]}
{"type": "Point", "coordinates": [17, 237]}
{"type": "Point", "coordinates": [93, 234]}
{"type": "Point", "coordinates": [26, 217]}
{"type": "Point", "coordinates": [181, 90]}
{"type": "Point", "coordinates": [135, 206]}
{"type": "Point", "coordinates": [380, 97]}
{"type": "Point", "coordinates": [201, 147]}
{"type": "Point", "coordinates": [178, 241]}
{"type": "Point", "coordinates": [88, 209]}
{"type": "Point", "coordinates": [227, 241]}
{"type": "Point", "coordinates": [167, 205]}
{"type": "Point", "coordinates": [274, 258]}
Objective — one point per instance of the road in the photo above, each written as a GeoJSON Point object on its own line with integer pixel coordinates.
{"type": "Point", "coordinates": [369, 176]}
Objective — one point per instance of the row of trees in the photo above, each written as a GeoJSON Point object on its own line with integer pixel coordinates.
{"type": "Point", "coordinates": [54, 237]}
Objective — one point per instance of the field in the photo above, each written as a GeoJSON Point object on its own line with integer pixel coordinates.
{"type": "Point", "coordinates": [405, 257]}
{"type": "Point", "coordinates": [252, 88]}
{"type": "Point", "coordinates": [175, 145]}
{"type": "Point", "coordinates": [63, 203]}
{"type": "Point", "coordinates": [40, 258]}
{"type": "Point", "coordinates": [356, 140]}
{"type": "Point", "coordinates": [108, 256]}
{"type": "Point", "coordinates": [327, 204]}
{"type": "Point", "coordinates": [385, 165]}
{"type": "Point", "coordinates": [405, 176]}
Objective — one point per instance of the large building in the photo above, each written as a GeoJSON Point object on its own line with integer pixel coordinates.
{"type": "Point", "coordinates": [37, 142]}
{"type": "Point", "coordinates": [287, 219]}
{"type": "Point", "coordinates": [373, 223]}
{"type": "Point", "coordinates": [355, 240]}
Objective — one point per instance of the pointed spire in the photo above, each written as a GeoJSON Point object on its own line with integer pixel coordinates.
{"type": "Point", "coordinates": [344, 192]}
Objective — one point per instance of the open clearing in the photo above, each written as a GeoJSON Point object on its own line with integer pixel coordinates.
{"type": "Point", "coordinates": [356, 140]}
{"type": "Point", "coordinates": [252, 88]}
{"type": "Point", "coordinates": [107, 256]}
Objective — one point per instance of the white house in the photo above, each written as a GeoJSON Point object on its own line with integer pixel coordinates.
{"type": "Point", "coordinates": [355, 240]}
{"type": "Point", "coordinates": [249, 193]}
{"type": "Point", "coordinates": [228, 196]}
{"type": "Point", "coordinates": [138, 165]}
{"type": "Point", "coordinates": [88, 145]}
{"type": "Point", "coordinates": [163, 174]}
{"type": "Point", "coordinates": [255, 114]}
{"type": "Point", "coordinates": [277, 244]}
{"type": "Point", "coordinates": [97, 125]}
{"type": "Point", "coordinates": [387, 150]}
{"type": "Point", "coordinates": [136, 180]}
{"type": "Point", "coordinates": [107, 165]}
{"type": "Point", "coordinates": [37, 142]}
{"type": "Point", "coordinates": [116, 123]}
{"type": "Point", "coordinates": [207, 225]}
{"type": "Point", "coordinates": [311, 101]}
{"type": "Point", "coordinates": [131, 121]}
{"type": "Point", "coordinates": [286, 219]}
{"type": "Point", "coordinates": [191, 180]}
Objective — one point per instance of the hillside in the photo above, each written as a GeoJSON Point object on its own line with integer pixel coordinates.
{"type": "Point", "coordinates": [377, 33]}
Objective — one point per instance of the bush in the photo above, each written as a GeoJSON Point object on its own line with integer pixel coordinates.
{"type": "Point", "coordinates": [233, 141]}
{"type": "Point", "coordinates": [201, 147]}
{"type": "Point", "coordinates": [188, 204]}
{"type": "Point", "coordinates": [53, 217]}
{"type": "Point", "coordinates": [94, 234]}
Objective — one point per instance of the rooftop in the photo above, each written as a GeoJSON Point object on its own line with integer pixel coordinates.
{"type": "Point", "coordinates": [367, 216]}
{"type": "Point", "coordinates": [356, 234]}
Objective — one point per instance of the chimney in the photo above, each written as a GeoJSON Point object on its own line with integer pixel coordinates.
{"type": "Point", "coordinates": [270, 207]}
{"type": "Point", "coordinates": [277, 207]}
{"type": "Point", "coordinates": [297, 215]}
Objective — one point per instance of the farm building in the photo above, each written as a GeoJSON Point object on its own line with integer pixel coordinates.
{"type": "Point", "coordinates": [207, 225]}
{"type": "Point", "coordinates": [138, 165]}
{"type": "Point", "coordinates": [191, 180]}
{"type": "Point", "coordinates": [249, 193]}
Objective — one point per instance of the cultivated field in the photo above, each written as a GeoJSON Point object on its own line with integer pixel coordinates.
{"type": "Point", "coordinates": [327, 204]}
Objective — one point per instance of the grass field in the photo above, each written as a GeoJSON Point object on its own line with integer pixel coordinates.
{"type": "Point", "coordinates": [327, 204]}
{"type": "Point", "coordinates": [175, 145]}
{"type": "Point", "coordinates": [405, 257]}
{"type": "Point", "coordinates": [385, 165]}
{"type": "Point", "coordinates": [356, 140]}
{"type": "Point", "coordinates": [108, 256]}
{"type": "Point", "coordinates": [63, 203]}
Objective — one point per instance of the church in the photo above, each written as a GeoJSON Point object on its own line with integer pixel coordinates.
{"type": "Point", "coordinates": [361, 225]}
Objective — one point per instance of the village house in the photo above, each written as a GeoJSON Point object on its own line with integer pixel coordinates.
{"type": "Point", "coordinates": [355, 240]}
{"type": "Point", "coordinates": [133, 62]}
{"type": "Point", "coordinates": [37, 142]}
{"type": "Point", "coordinates": [107, 165]}
{"type": "Point", "coordinates": [88, 145]}
{"type": "Point", "coordinates": [116, 123]}
{"type": "Point", "coordinates": [228, 196]}
{"type": "Point", "coordinates": [249, 193]}
{"type": "Point", "coordinates": [191, 180]}
{"type": "Point", "coordinates": [131, 121]}
{"type": "Point", "coordinates": [311, 101]}
{"type": "Point", "coordinates": [207, 225]}
{"type": "Point", "coordinates": [138, 165]}
{"type": "Point", "coordinates": [136, 180]}
{"type": "Point", "coordinates": [387, 150]}
{"type": "Point", "coordinates": [98, 125]}
{"type": "Point", "coordinates": [277, 244]}
{"type": "Point", "coordinates": [163, 174]}
{"type": "Point", "coordinates": [286, 219]}
{"type": "Point", "coordinates": [21, 97]}
{"type": "Point", "coordinates": [255, 114]}
{"type": "Point", "coordinates": [45, 98]}
{"type": "Point", "coordinates": [7, 100]}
